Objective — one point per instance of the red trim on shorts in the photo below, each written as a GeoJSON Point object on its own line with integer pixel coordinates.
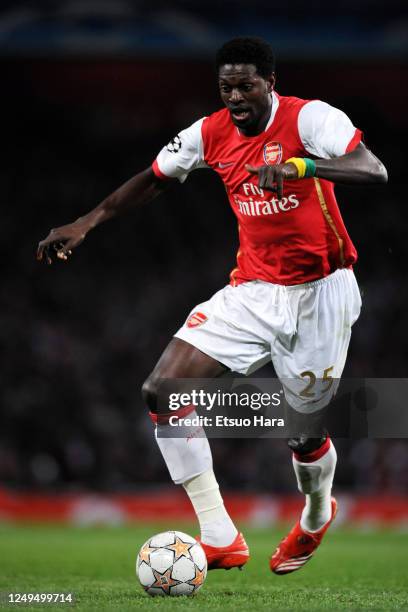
{"type": "Point", "coordinates": [314, 455]}
{"type": "Point", "coordinates": [163, 418]}
{"type": "Point", "coordinates": [357, 138]}
{"type": "Point", "coordinates": [158, 172]}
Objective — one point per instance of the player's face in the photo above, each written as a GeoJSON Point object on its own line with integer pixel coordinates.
{"type": "Point", "coordinates": [246, 95]}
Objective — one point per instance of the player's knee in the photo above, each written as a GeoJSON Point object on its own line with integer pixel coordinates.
{"type": "Point", "coordinates": [303, 445]}
{"type": "Point", "coordinates": [150, 390]}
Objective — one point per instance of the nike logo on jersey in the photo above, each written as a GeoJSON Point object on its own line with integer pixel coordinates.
{"type": "Point", "coordinates": [226, 165]}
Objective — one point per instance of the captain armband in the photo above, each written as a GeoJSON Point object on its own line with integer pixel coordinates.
{"type": "Point", "coordinates": [306, 167]}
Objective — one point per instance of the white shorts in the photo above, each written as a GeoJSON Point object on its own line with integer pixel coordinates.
{"type": "Point", "coordinates": [304, 329]}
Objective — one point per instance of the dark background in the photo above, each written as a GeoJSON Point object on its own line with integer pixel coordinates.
{"type": "Point", "coordinates": [88, 100]}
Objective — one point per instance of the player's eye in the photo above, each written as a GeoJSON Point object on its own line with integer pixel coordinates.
{"type": "Point", "coordinates": [225, 88]}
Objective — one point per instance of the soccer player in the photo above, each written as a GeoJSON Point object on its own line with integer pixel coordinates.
{"type": "Point", "coordinates": [292, 297]}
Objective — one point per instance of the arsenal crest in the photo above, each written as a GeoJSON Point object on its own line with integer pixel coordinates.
{"type": "Point", "coordinates": [196, 319]}
{"type": "Point", "coordinates": [272, 153]}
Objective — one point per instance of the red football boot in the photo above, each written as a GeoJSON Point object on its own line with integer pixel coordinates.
{"type": "Point", "coordinates": [227, 557]}
{"type": "Point", "coordinates": [298, 547]}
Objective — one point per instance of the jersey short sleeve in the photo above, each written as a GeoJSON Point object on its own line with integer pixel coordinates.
{"type": "Point", "coordinates": [182, 155]}
{"type": "Point", "coordinates": [326, 131]}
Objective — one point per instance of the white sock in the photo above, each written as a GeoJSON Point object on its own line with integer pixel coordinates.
{"type": "Point", "coordinates": [187, 456]}
{"type": "Point", "coordinates": [217, 528]}
{"type": "Point", "coordinates": [189, 462]}
{"type": "Point", "coordinates": [315, 481]}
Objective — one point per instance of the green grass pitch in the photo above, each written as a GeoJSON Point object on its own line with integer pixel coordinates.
{"type": "Point", "coordinates": [351, 571]}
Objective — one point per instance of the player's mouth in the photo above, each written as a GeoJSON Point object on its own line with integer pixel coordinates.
{"type": "Point", "coordinates": [240, 115]}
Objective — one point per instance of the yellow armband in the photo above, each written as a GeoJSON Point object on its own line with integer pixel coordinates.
{"type": "Point", "coordinates": [306, 167]}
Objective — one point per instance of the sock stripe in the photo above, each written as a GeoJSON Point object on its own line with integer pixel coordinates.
{"type": "Point", "coordinates": [314, 455]}
{"type": "Point", "coordinates": [163, 417]}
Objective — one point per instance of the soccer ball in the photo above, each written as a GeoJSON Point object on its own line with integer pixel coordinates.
{"type": "Point", "coordinates": [171, 563]}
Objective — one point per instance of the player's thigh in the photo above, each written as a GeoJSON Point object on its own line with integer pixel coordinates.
{"type": "Point", "coordinates": [311, 366]}
{"type": "Point", "coordinates": [179, 360]}
{"type": "Point", "coordinates": [230, 329]}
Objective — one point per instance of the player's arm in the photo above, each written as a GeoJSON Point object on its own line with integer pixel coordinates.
{"type": "Point", "coordinates": [336, 152]}
{"type": "Point", "coordinates": [359, 166]}
{"type": "Point", "coordinates": [175, 161]}
{"type": "Point", "coordinates": [138, 190]}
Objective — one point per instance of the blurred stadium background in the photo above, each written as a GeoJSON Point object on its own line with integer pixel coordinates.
{"type": "Point", "coordinates": [91, 91]}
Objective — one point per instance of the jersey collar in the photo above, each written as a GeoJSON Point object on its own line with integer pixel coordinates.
{"type": "Point", "coordinates": [275, 106]}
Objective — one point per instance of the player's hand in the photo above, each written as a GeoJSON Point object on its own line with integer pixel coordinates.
{"type": "Point", "coordinates": [272, 177]}
{"type": "Point", "coordinates": [60, 242]}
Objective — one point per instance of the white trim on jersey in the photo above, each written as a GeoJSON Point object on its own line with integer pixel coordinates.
{"type": "Point", "coordinates": [275, 106]}
{"type": "Point", "coordinates": [184, 153]}
{"type": "Point", "coordinates": [324, 130]}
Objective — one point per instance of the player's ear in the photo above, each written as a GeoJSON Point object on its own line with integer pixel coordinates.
{"type": "Point", "coordinates": [270, 82]}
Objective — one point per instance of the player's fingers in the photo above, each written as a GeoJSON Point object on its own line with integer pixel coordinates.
{"type": "Point", "coordinates": [279, 185]}
{"type": "Point", "coordinates": [64, 254]}
{"type": "Point", "coordinates": [268, 179]}
{"type": "Point", "coordinates": [253, 169]}
{"type": "Point", "coordinates": [263, 177]}
{"type": "Point", "coordinates": [54, 249]}
{"type": "Point", "coordinates": [71, 244]}
{"type": "Point", "coordinates": [61, 250]}
{"type": "Point", "coordinates": [45, 244]}
{"type": "Point", "coordinates": [42, 250]}
{"type": "Point", "coordinates": [47, 254]}
{"type": "Point", "coordinates": [271, 180]}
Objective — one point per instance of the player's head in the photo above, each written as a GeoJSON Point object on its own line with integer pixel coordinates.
{"type": "Point", "coordinates": [246, 77]}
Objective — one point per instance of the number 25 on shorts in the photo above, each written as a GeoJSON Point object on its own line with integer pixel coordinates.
{"type": "Point", "coordinates": [308, 390]}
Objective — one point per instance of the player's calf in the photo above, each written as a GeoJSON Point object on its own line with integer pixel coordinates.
{"type": "Point", "coordinates": [314, 462]}
{"type": "Point", "coordinates": [185, 448]}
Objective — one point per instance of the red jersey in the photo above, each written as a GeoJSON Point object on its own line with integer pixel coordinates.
{"type": "Point", "coordinates": [300, 238]}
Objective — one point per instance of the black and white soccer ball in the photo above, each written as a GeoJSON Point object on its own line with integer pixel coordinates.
{"type": "Point", "coordinates": [171, 563]}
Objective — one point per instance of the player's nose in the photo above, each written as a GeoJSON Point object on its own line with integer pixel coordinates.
{"type": "Point", "coordinates": [235, 96]}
